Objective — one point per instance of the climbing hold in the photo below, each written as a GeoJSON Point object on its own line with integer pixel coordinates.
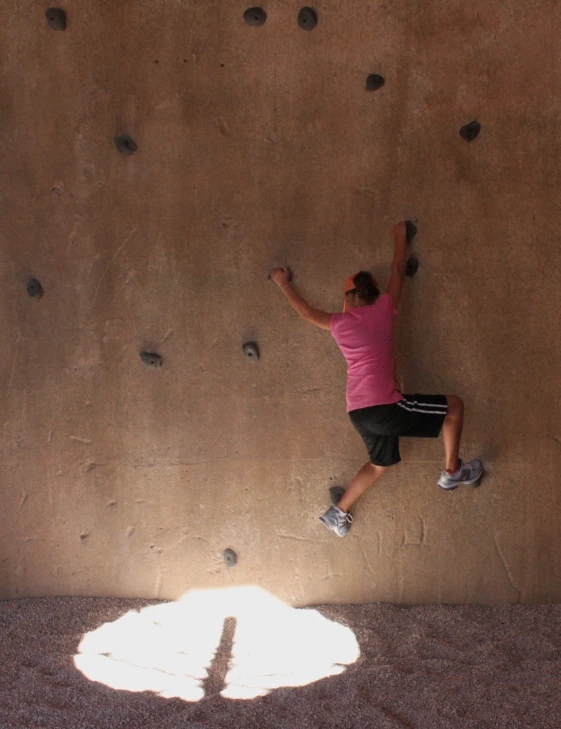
{"type": "Point", "coordinates": [307, 19]}
{"type": "Point", "coordinates": [255, 16]}
{"type": "Point", "coordinates": [411, 267]}
{"type": "Point", "coordinates": [251, 351]}
{"type": "Point", "coordinates": [56, 18]}
{"type": "Point", "coordinates": [34, 288]}
{"type": "Point", "coordinates": [336, 494]}
{"type": "Point", "coordinates": [411, 230]}
{"type": "Point", "coordinates": [470, 131]}
{"type": "Point", "coordinates": [125, 144]}
{"type": "Point", "coordinates": [230, 557]}
{"type": "Point", "coordinates": [151, 359]}
{"type": "Point", "coordinates": [374, 82]}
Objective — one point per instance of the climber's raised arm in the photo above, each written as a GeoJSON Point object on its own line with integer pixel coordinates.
{"type": "Point", "coordinates": [281, 276]}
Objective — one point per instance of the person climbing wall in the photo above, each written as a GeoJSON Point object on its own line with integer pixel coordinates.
{"type": "Point", "coordinates": [364, 333]}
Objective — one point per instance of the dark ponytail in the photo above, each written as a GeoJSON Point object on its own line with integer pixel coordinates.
{"type": "Point", "coordinates": [365, 287]}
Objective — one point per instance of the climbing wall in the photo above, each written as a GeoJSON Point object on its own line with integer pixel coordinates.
{"type": "Point", "coordinates": [157, 159]}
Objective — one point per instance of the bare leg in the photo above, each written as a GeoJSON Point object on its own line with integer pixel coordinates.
{"type": "Point", "coordinates": [363, 480]}
{"type": "Point", "coordinates": [452, 432]}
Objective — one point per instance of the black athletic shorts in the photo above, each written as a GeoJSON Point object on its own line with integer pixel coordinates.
{"type": "Point", "coordinates": [416, 416]}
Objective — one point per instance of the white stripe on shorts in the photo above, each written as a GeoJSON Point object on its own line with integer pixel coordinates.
{"type": "Point", "coordinates": [422, 407]}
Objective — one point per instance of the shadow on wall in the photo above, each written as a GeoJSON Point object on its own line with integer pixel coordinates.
{"type": "Point", "coordinates": [239, 643]}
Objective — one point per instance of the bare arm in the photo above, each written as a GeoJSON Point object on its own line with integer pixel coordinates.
{"type": "Point", "coordinates": [400, 245]}
{"type": "Point", "coordinates": [281, 277]}
{"type": "Point", "coordinates": [298, 303]}
{"type": "Point", "coordinates": [314, 316]}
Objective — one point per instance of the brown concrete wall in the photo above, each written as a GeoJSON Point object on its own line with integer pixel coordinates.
{"type": "Point", "coordinates": [259, 146]}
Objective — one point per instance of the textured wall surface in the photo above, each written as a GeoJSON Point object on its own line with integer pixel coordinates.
{"type": "Point", "coordinates": [259, 146]}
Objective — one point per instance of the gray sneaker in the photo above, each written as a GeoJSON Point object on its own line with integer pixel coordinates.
{"type": "Point", "coordinates": [336, 520]}
{"type": "Point", "coordinates": [468, 474]}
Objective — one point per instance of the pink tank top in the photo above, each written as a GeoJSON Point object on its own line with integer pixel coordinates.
{"type": "Point", "coordinates": [365, 336]}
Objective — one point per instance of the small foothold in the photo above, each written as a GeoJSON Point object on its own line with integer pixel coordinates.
{"type": "Point", "coordinates": [374, 82]}
{"type": "Point", "coordinates": [151, 359]}
{"type": "Point", "coordinates": [125, 144]}
{"type": "Point", "coordinates": [230, 557]}
{"type": "Point", "coordinates": [251, 351]}
{"type": "Point", "coordinates": [56, 18]}
{"type": "Point", "coordinates": [411, 230]}
{"type": "Point", "coordinates": [307, 19]}
{"type": "Point", "coordinates": [411, 267]}
{"type": "Point", "coordinates": [336, 494]}
{"type": "Point", "coordinates": [255, 16]}
{"type": "Point", "coordinates": [470, 131]}
{"type": "Point", "coordinates": [34, 288]}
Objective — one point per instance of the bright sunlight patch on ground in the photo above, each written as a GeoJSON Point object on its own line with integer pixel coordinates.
{"type": "Point", "coordinates": [170, 648]}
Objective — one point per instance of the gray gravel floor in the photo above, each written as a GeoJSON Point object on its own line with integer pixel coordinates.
{"type": "Point", "coordinates": [427, 667]}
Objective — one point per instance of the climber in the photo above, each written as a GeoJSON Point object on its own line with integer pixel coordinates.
{"type": "Point", "coordinates": [364, 333]}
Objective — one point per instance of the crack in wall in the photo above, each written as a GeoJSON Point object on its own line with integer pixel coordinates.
{"type": "Point", "coordinates": [405, 542]}
{"type": "Point", "coordinates": [297, 538]}
{"type": "Point", "coordinates": [507, 569]}
{"type": "Point", "coordinates": [366, 558]}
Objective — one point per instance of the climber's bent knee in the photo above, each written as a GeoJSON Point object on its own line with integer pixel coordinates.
{"type": "Point", "coordinates": [455, 406]}
{"type": "Point", "coordinates": [378, 467]}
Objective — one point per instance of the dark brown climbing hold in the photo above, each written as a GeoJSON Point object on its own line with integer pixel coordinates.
{"type": "Point", "coordinates": [34, 288]}
{"type": "Point", "coordinates": [230, 557]}
{"type": "Point", "coordinates": [411, 230]}
{"type": "Point", "coordinates": [336, 494]}
{"type": "Point", "coordinates": [255, 16]}
{"type": "Point", "coordinates": [56, 18]}
{"type": "Point", "coordinates": [470, 131]}
{"type": "Point", "coordinates": [251, 351]}
{"type": "Point", "coordinates": [151, 359]}
{"type": "Point", "coordinates": [374, 82]}
{"type": "Point", "coordinates": [125, 144]}
{"type": "Point", "coordinates": [307, 19]}
{"type": "Point", "coordinates": [411, 267]}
